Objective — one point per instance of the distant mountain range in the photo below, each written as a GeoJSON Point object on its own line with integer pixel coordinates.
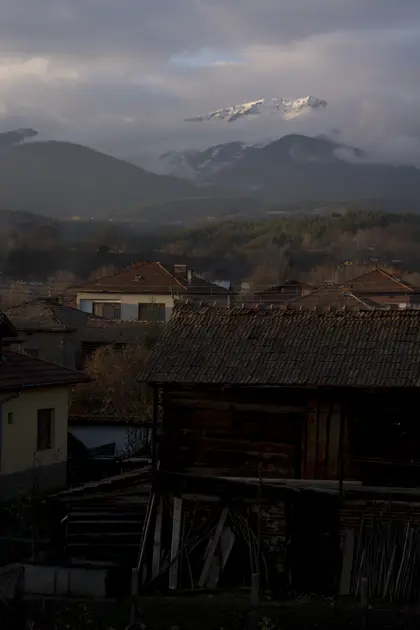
{"type": "Point", "coordinates": [284, 107]}
{"type": "Point", "coordinates": [62, 179]}
{"type": "Point", "coordinates": [294, 168]}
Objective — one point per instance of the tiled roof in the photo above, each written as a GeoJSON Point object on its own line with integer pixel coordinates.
{"type": "Point", "coordinates": [20, 371]}
{"type": "Point", "coordinates": [332, 296]}
{"type": "Point", "coordinates": [152, 277]}
{"type": "Point", "coordinates": [35, 315]}
{"type": "Point", "coordinates": [46, 315]}
{"type": "Point", "coordinates": [378, 281]}
{"type": "Point", "coordinates": [290, 286]}
{"type": "Point", "coordinates": [288, 347]}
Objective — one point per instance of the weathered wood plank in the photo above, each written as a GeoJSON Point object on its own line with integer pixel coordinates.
{"type": "Point", "coordinates": [311, 440]}
{"type": "Point", "coordinates": [212, 548]}
{"type": "Point", "coordinates": [176, 539]}
{"type": "Point", "coordinates": [347, 566]}
{"type": "Point", "coordinates": [157, 540]}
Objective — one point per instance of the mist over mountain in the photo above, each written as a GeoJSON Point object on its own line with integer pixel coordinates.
{"type": "Point", "coordinates": [63, 179]}
{"type": "Point", "coordinates": [295, 168]}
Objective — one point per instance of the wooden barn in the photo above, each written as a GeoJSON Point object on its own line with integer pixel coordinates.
{"type": "Point", "coordinates": [309, 417]}
{"type": "Point", "coordinates": [325, 395]}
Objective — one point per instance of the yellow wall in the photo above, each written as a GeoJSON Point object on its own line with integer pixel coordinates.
{"type": "Point", "coordinates": [19, 440]}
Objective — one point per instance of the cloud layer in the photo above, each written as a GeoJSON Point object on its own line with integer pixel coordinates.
{"type": "Point", "coordinates": [122, 75]}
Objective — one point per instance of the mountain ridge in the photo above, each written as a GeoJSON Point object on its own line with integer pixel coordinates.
{"type": "Point", "coordinates": [64, 179]}
{"type": "Point", "coordinates": [299, 168]}
{"type": "Point", "coordinates": [288, 108]}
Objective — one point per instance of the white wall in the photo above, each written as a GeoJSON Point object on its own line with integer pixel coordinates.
{"type": "Point", "coordinates": [130, 301]}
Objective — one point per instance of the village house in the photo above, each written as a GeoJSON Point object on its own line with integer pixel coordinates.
{"type": "Point", "coordinates": [384, 289]}
{"type": "Point", "coordinates": [333, 296]}
{"type": "Point", "coordinates": [147, 292]}
{"type": "Point", "coordinates": [65, 335]}
{"type": "Point", "coordinates": [306, 416]}
{"type": "Point", "coordinates": [34, 405]}
{"type": "Point", "coordinates": [282, 293]}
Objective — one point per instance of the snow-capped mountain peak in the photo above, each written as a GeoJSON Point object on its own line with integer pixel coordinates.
{"type": "Point", "coordinates": [287, 108]}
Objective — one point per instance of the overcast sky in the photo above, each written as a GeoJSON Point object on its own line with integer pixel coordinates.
{"type": "Point", "coordinates": [123, 74]}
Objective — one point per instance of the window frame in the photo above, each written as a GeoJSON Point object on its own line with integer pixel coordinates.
{"type": "Point", "coordinates": [158, 307]}
{"type": "Point", "coordinates": [115, 305]}
{"type": "Point", "coordinates": [48, 444]}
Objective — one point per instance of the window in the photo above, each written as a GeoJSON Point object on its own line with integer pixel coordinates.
{"type": "Point", "coordinates": [152, 312]}
{"type": "Point", "coordinates": [45, 436]}
{"type": "Point", "coordinates": [10, 417]}
{"type": "Point", "coordinates": [109, 310]}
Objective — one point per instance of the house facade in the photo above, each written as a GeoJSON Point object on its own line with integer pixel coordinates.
{"type": "Point", "coordinates": [34, 401]}
{"type": "Point", "coordinates": [147, 292]}
{"type": "Point", "coordinates": [61, 334]}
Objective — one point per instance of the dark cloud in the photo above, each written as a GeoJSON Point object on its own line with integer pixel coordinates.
{"type": "Point", "coordinates": [100, 70]}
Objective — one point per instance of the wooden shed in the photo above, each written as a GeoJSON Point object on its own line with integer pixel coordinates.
{"type": "Point", "coordinates": [309, 394]}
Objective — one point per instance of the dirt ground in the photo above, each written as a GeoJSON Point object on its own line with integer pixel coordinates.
{"type": "Point", "coordinates": [227, 611]}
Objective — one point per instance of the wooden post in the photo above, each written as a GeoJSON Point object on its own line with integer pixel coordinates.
{"type": "Point", "coordinates": [157, 540]}
{"type": "Point", "coordinates": [347, 566]}
{"type": "Point", "coordinates": [341, 452]}
{"type": "Point", "coordinates": [176, 537]}
{"type": "Point", "coordinates": [364, 601]}
{"type": "Point", "coordinates": [134, 593]}
{"type": "Point", "coordinates": [212, 548]}
{"type": "Point", "coordinates": [154, 430]}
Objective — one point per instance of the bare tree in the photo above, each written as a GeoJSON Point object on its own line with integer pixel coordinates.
{"type": "Point", "coordinates": [114, 388]}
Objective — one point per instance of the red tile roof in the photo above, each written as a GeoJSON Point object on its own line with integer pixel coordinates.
{"type": "Point", "coordinates": [20, 371]}
{"type": "Point", "coordinates": [152, 277]}
{"type": "Point", "coordinates": [332, 297]}
{"type": "Point", "coordinates": [378, 281]}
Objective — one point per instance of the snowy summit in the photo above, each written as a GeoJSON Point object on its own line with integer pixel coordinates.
{"type": "Point", "coordinates": [285, 107]}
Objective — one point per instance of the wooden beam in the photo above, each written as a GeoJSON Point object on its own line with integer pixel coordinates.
{"type": "Point", "coordinates": [347, 566]}
{"type": "Point", "coordinates": [157, 540]}
{"type": "Point", "coordinates": [154, 430]}
{"type": "Point", "coordinates": [212, 548]}
{"type": "Point", "coordinates": [176, 537]}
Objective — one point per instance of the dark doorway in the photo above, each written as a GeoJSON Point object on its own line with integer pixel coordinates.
{"type": "Point", "coordinates": [313, 534]}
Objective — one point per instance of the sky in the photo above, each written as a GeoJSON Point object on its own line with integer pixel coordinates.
{"type": "Point", "coordinates": [121, 75]}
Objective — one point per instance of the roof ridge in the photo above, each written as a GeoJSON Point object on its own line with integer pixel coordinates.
{"type": "Point", "coordinates": [170, 274]}
{"type": "Point", "coordinates": [50, 309]}
{"type": "Point", "coordinates": [394, 278]}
